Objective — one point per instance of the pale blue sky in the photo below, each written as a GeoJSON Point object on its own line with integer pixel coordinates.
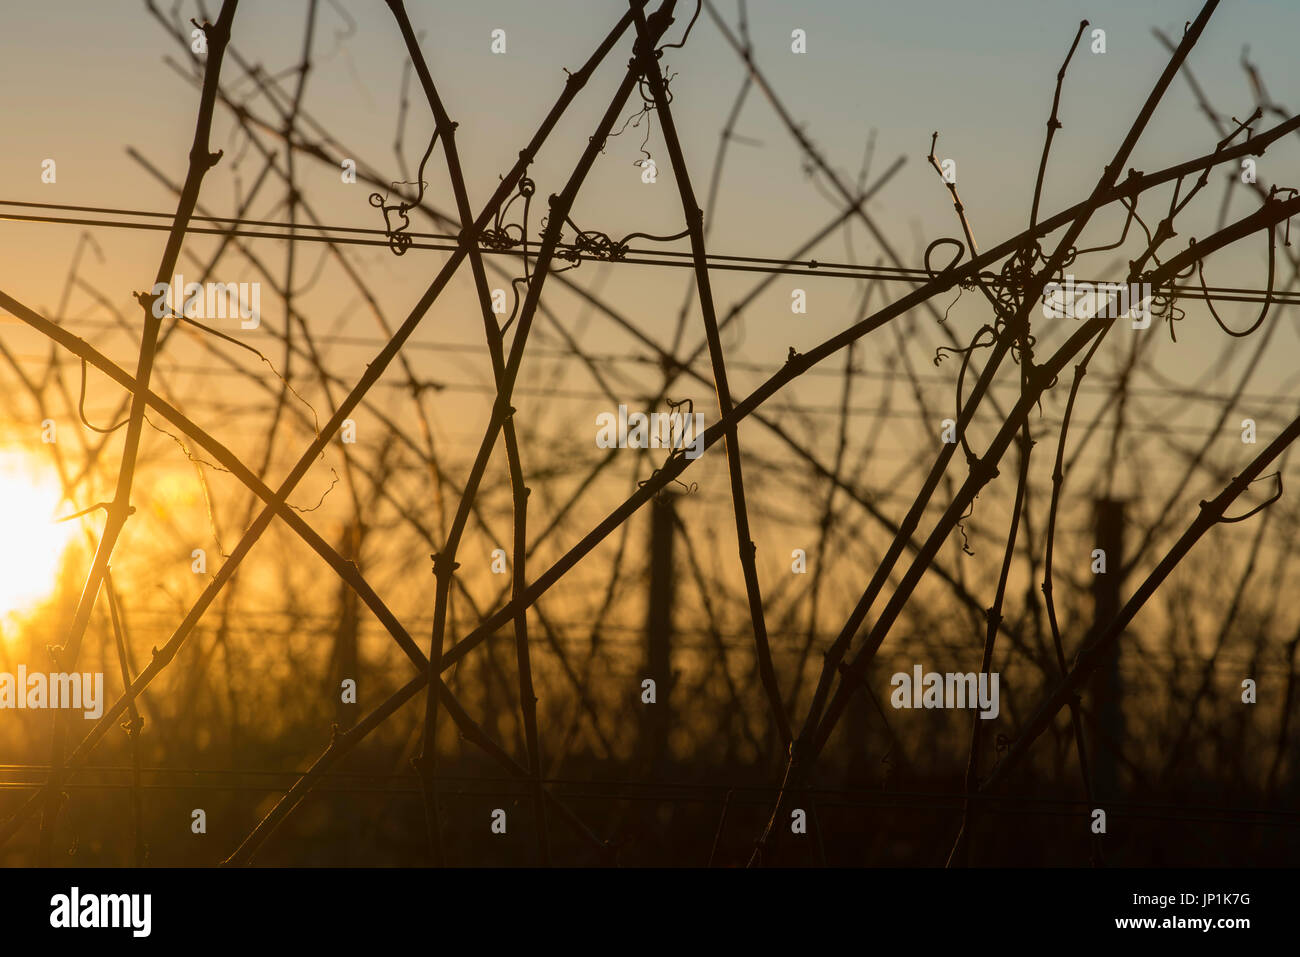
{"type": "Point", "coordinates": [80, 82]}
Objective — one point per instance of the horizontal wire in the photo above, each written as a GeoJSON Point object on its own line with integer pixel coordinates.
{"type": "Point", "coordinates": [666, 790]}
{"type": "Point", "coordinates": [445, 242]}
{"type": "Point", "coordinates": [1098, 382]}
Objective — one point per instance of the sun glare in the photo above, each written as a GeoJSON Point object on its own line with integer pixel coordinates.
{"type": "Point", "coordinates": [31, 541]}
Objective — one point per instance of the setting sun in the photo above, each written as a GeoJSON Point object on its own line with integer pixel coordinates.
{"type": "Point", "coordinates": [32, 542]}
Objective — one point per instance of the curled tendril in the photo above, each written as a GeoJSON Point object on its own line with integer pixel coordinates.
{"type": "Point", "coordinates": [943, 241]}
{"type": "Point", "coordinates": [662, 494]}
{"type": "Point", "coordinates": [634, 120]}
{"type": "Point", "coordinates": [1022, 351]}
{"type": "Point", "coordinates": [1016, 274]}
{"type": "Point", "coordinates": [1268, 292]}
{"type": "Point", "coordinates": [398, 240]}
{"type": "Point", "coordinates": [690, 412]}
{"type": "Point", "coordinates": [81, 408]}
{"type": "Point", "coordinates": [682, 42]}
{"type": "Point", "coordinates": [949, 309]}
{"type": "Point", "coordinates": [647, 95]}
{"type": "Point", "coordinates": [647, 107]}
{"type": "Point", "coordinates": [514, 311]}
{"type": "Point", "coordinates": [499, 239]}
{"type": "Point", "coordinates": [499, 236]}
{"type": "Point", "coordinates": [598, 245]}
{"type": "Point", "coordinates": [1007, 299]}
{"type": "Point", "coordinates": [1164, 305]}
{"type": "Point", "coordinates": [961, 527]}
{"type": "Point", "coordinates": [674, 451]}
{"type": "Point", "coordinates": [1276, 476]}
{"type": "Point", "coordinates": [961, 380]}
{"type": "Point", "coordinates": [943, 351]}
{"type": "Point", "coordinates": [1286, 239]}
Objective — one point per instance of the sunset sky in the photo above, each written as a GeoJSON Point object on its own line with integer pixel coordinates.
{"type": "Point", "coordinates": [106, 94]}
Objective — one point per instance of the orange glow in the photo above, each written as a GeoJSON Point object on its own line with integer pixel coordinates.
{"type": "Point", "coordinates": [31, 541]}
